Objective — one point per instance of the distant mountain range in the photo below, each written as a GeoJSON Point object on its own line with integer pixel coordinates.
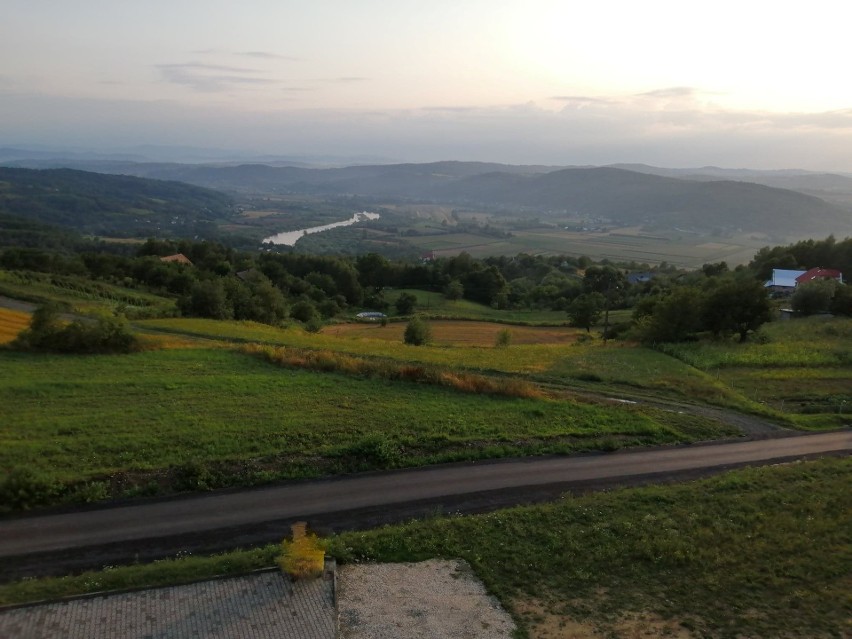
{"type": "Point", "coordinates": [704, 199]}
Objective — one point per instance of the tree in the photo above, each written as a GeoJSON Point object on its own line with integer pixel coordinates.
{"type": "Point", "coordinates": [674, 318]}
{"type": "Point", "coordinates": [405, 303]}
{"type": "Point", "coordinates": [842, 302]}
{"type": "Point", "coordinates": [207, 299]}
{"type": "Point", "coordinates": [304, 311]}
{"type": "Point", "coordinates": [454, 290]}
{"type": "Point", "coordinates": [739, 305]}
{"type": "Point", "coordinates": [813, 297]}
{"type": "Point", "coordinates": [586, 310]}
{"type": "Point", "coordinates": [417, 332]}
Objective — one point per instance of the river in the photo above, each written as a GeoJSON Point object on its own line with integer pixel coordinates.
{"type": "Point", "coordinates": [289, 238]}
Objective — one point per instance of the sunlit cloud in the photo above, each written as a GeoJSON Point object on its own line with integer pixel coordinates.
{"type": "Point", "coordinates": [670, 92]}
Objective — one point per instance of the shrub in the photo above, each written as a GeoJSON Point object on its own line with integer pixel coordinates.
{"type": "Point", "coordinates": [105, 334]}
{"type": "Point", "coordinates": [405, 303]}
{"type": "Point", "coordinates": [304, 556]}
{"type": "Point", "coordinates": [376, 450]}
{"type": "Point", "coordinates": [417, 332]}
{"type": "Point", "coordinates": [23, 489]}
{"type": "Point", "coordinates": [503, 339]}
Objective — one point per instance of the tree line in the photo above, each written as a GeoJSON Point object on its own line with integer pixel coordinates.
{"type": "Point", "coordinates": [668, 304]}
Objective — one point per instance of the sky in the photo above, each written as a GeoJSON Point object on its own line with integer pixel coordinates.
{"type": "Point", "coordinates": [745, 83]}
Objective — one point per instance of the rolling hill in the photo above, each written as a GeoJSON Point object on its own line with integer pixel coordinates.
{"type": "Point", "coordinates": [117, 205]}
{"type": "Point", "coordinates": [709, 200]}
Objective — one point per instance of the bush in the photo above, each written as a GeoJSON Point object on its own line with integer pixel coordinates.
{"type": "Point", "coordinates": [105, 334]}
{"type": "Point", "coordinates": [405, 303]}
{"type": "Point", "coordinates": [503, 339]}
{"type": "Point", "coordinates": [417, 332]}
{"type": "Point", "coordinates": [23, 489]}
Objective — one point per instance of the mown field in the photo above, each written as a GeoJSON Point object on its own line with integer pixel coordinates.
{"type": "Point", "coordinates": [84, 428]}
{"type": "Point", "coordinates": [758, 553]}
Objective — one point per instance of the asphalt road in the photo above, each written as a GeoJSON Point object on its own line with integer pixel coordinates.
{"type": "Point", "coordinates": [197, 514]}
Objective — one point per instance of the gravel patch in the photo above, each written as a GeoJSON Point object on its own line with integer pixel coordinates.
{"type": "Point", "coordinates": [429, 600]}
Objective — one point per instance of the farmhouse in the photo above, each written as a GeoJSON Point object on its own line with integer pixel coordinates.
{"type": "Point", "coordinates": [820, 273]}
{"type": "Point", "coordinates": [786, 281]}
{"type": "Point", "coordinates": [783, 280]}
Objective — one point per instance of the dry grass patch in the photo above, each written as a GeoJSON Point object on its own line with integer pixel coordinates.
{"type": "Point", "coordinates": [543, 622]}
{"type": "Point", "coordinates": [12, 323]}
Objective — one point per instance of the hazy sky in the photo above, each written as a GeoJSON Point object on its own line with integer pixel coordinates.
{"type": "Point", "coordinates": [755, 83]}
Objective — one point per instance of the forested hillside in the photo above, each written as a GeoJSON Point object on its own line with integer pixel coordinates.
{"type": "Point", "coordinates": [116, 205]}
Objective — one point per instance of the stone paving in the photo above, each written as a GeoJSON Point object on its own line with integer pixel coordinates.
{"type": "Point", "coordinates": [259, 606]}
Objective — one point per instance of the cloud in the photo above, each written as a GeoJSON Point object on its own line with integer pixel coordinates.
{"type": "Point", "coordinates": [670, 92]}
{"type": "Point", "coordinates": [209, 78]}
{"type": "Point", "coordinates": [450, 109]}
{"type": "Point", "coordinates": [615, 129]}
{"type": "Point", "coordinates": [580, 99]}
{"type": "Point", "coordinates": [267, 55]}
{"type": "Point", "coordinates": [345, 79]}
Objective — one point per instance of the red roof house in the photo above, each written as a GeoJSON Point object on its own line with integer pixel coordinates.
{"type": "Point", "coordinates": [819, 273]}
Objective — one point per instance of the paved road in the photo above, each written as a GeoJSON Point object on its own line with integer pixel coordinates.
{"type": "Point", "coordinates": [302, 500]}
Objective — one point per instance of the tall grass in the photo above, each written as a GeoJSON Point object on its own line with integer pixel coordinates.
{"type": "Point", "coordinates": [328, 361]}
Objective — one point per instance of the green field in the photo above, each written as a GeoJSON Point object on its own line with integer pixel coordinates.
{"type": "Point", "coordinates": [758, 553]}
{"type": "Point", "coordinates": [92, 427]}
{"type": "Point", "coordinates": [82, 295]}
{"type": "Point", "coordinates": [616, 367]}
{"type": "Point", "coordinates": [801, 369]}
{"type": "Point", "coordinates": [622, 245]}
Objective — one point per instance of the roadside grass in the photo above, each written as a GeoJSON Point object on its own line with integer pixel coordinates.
{"type": "Point", "coordinates": [82, 295]}
{"type": "Point", "coordinates": [12, 323]}
{"type": "Point", "coordinates": [758, 553]}
{"type": "Point", "coordinates": [761, 552]}
{"type": "Point", "coordinates": [88, 428]}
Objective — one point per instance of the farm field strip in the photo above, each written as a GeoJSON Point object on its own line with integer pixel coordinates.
{"type": "Point", "coordinates": [12, 323]}
{"type": "Point", "coordinates": [617, 366]}
{"type": "Point", "coordinates": [92, 417]}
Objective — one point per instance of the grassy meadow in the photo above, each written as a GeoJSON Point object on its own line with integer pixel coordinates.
{"type": "Point", "coordinates": [801, 368]}
{"type": "Point", "coordinates": [82, 295]}
{"type": "Point", "coordinates": [758, 553]}
{"type": "Point", "coordinates": [209, 404]}
{"type": "Point", "coordinates": [93, 427]}
{"type": "Point", "coordinates": [552, 355]}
